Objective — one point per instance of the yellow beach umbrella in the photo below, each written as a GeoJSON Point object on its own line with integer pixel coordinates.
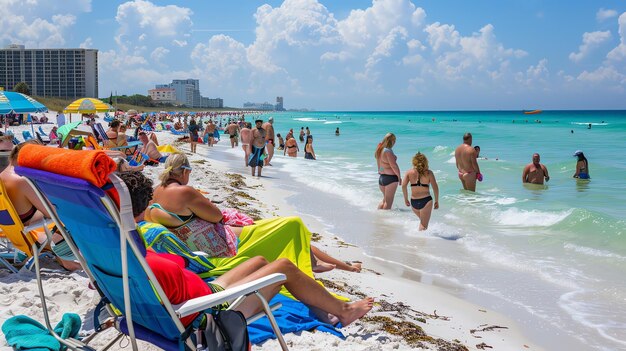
{"type": "Point", "coordinates": [87, 105]}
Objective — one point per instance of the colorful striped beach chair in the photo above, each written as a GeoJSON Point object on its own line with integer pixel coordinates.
{"type": "Point", "coordinates": [100, 230]}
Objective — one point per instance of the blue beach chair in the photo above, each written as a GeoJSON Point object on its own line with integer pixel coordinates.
{"type": "Point", "coordinates": [105, 240]}
{"type": "Point", "coordinates": [26, 135]}
{"type": "Point", "coordinates": [42, 132]}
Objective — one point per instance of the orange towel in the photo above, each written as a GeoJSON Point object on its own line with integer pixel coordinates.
{"type": "Point", "coordinates": [93, 166]}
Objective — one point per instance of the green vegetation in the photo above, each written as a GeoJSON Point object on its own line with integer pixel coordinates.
{"type": "Point", "coordinates": [58, 104]}
{"type": "Point", "coordinates": [22, 87]}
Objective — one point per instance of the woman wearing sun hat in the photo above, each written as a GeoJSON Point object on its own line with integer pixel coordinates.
{"type": "Point", "coordinates": [582, 166]}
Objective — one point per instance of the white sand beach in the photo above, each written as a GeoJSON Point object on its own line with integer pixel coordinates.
{"type": "Point", "coordinates": [407, 314]}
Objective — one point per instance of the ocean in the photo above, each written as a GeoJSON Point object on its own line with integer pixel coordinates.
{"type": "Point", "coordinates": [553, 258]}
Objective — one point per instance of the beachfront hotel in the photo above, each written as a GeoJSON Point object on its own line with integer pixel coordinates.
{"type": "Point", "coordinates": [184, 92]}
{"type": "Point", "coordinates": [68, 73]}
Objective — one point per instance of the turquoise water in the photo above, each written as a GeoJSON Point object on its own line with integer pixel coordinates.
{"type": "Point", "coordinates": [554, 257]}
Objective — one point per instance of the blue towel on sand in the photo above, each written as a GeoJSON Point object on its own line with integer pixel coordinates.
{"type": "Point", "coordinates": [25, 333]}
{"type": "Point", "coordinates": [293, 317]}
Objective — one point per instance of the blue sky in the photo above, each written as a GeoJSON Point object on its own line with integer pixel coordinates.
{"type": "Point", "coordinates": [349, 54]}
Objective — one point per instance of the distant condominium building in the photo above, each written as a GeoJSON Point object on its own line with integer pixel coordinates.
{"type": "Point", "coordinates": [265, 106]}
{"type": "Point", "coordinates": [187, 92]}
{"type": "Point", "coordinates": [69, 73]}
{"type": "Point", "coordinates": [163, 95]}
{"type": "Point", "coordinates": [279, 104]}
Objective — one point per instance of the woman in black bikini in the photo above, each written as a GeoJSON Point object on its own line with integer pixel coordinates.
{"type": "Point", "coordinates": [420, 178]}
{"type": "Point", "coordinates": [388, 170]}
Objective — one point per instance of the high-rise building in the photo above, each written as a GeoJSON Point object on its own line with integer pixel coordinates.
{"type": "Point", "coordinates": [187, 92]}
{"type": "Point", "coordinates": [279, 103]}
{"type": "Point", "coordinates": [66, 73]}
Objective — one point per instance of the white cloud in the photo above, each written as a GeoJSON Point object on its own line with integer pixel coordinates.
{"type": "Point", "coordinates": [87, 44]}
{"type": "Point", "coordinates": [442, 35]}
{"type": "Point", "coordinates": [604, 14]}
{"type": "Point", "coordinates": [220, 59]}
{"type": "Point", "coordinates": [179, 43]}
{"type": "Point", "coordinates": [296, 23]}
{"type": "Point", "coordinates": [591, 41]}
{"type": "Point", "coordinates": [158, 54]}
{"type": "Point", "coordinates": [37, 24]}
{"type": "Point", "coordinates": [619, 53]}
{"type": "Point", "coordinates": [602, 75]}
{"type": "Point", "coordinates": [166, 20]}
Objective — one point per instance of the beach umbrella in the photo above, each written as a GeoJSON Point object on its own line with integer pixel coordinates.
{"type": "Point", "coordinates": [87, 105]}
{"type": "Point", "coordinates": [13, 102]}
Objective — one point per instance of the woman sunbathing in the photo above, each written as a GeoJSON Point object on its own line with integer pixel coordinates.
{"type": "Point", "coordinates": [175, 204]}
{"type": "Point", "coordinates": [27, 204]}
{"type": "Point", "coordinates": [180, 284]}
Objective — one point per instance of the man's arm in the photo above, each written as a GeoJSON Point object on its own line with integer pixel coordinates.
{"type": "Point", "coordinates": [545, 173]}
{"type": "Point", "coordinates": [525, 174]}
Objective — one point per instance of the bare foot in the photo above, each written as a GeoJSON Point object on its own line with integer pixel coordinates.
{"type": "Point", "coordinates": [353, 311]}
{"type": "Point", "coordinates": [322, 267]}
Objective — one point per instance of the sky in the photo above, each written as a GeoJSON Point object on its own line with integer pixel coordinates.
{"type": "Point", "coordinates": [351, 55]}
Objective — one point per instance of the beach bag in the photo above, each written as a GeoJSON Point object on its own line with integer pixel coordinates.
{"type": "Point", "coordinates": [216, 239]}
{"type": "Point", "coordinates": [224, 331]}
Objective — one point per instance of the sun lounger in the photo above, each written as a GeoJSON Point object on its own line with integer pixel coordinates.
{"type": "Point", "coordinates": [42, 132]}
{"type": "Point", "coordinates": [102, 233]}
{"type": "Point", "coordinates": [26, 135]}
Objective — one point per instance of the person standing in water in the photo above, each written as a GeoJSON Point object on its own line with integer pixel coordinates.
{"type": "Point", "coordinates": [390, 176]}
{"type": "Point", "coordinates": [421, 178]}
{"type": "Point", "coordinates": [535, 172]}
{"type": "Point", "coordinates": [582, 166]}
{"type": "Point", "coordinates": [337, 131]}
{"type": "Point", "coordinates": [309, 153]}
{"type": "Point", "coordinates": [466, 163]}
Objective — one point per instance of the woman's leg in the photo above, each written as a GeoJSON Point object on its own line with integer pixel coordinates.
{"type": "Point", "coordinates": [424, 215]}
{"type": "Point", "coordinates": [390, 192]}
{"type": "Point", "coordinates": [381, 205]}
{"type": "Point", "coordinates": [323, 256]}
{"type": "Point", "coordinates": [305, 289]}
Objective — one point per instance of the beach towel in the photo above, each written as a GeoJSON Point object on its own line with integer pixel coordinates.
{"type": "Point", "coordinates": [93, 166]}
{"type": "Point", "coordinates": [235, 218]}
{"type": "Point", "coordinates": [292, 317]}
{"type": "Point", "coordinates": [25, 333]}
{"type": "Point", "coordinates": [167, 148]}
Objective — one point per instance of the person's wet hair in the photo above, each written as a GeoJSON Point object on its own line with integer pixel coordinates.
{"type": "Point", "coordinates": [467, 136]}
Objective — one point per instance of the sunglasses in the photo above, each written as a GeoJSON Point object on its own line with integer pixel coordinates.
{"type": "Point", "coordinates": [186, 167]}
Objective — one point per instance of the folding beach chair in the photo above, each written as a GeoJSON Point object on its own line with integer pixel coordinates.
{"type": "Point", "coordinates": [105, 240]}
{"type": "Point", "coordinates": [26, 135]}
{"type": "Point", "coordinates": [42, 132]}
{"type": "Point", "coordinates": [21, 238]}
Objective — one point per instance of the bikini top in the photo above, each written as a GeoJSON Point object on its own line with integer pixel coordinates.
{"type": "Point", "coordinates": [181, 218]}
{"type": "Point", "coordinates": [419, 183]}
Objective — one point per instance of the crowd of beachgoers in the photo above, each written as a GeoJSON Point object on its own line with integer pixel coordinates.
{"type": "Point", "coordinates": [179, 181]}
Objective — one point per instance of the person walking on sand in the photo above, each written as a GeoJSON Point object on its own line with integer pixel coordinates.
{"type": "Point", "coordinates": [421, 178]}
{"type": "Point", "coordinates": [233, 131]}
{"type": "Point", "coordinates": [467, 164]}
{"type": "Point", "coordinates": [209, 132]}
{"type": "Point", "coordinates": [582, 166]}
{"type": "Point", "coordinates": [535, 172]}
{"type": "Point", "coordinates": [388, 169]}
{"type": "Point", "coordinates": [246, 137]}
{"type": "Point", "coordinates": [257, 147]}
{"type": "Point", "coordinates": [193, 134]}
{"type": "Point", "coordinates": [269, 139]}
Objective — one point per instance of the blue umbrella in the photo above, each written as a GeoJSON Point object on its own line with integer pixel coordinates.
{"type": "Point", "coordinates": [12, 102]}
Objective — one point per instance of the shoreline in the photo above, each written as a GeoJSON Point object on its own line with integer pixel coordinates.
{"type": "Point", "coordinates": [447, 317]}
{"type": "Point", "coordinates": [449, 322]}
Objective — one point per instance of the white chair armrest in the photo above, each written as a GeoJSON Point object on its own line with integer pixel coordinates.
{"type": "Point", "coordinates": [201, 253]}
{"type": "Point", "coordinates": [202, 303]}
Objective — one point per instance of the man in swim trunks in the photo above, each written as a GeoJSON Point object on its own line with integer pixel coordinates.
{"type": "Point", "coordinates": [233, 130]}
{"type": "Point", "coordinates": [246, 136]}
{"type": "Point", "coordinates": [535, 172]}
{"type": "Point", "coordinates": [209, 131]}
{"type": "Point", "coordinates": [269, 138]}
{"type": "Point", "coordinates": [257, 147]}
{"type": "Point", "coordinates": [466, 163]}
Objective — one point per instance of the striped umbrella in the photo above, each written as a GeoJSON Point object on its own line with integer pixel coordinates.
{"type": "Point", "coordinates": [13, 102]}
